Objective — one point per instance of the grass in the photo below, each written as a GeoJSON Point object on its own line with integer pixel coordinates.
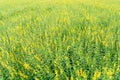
{"type": "Point", "coordinates": [59, 40]}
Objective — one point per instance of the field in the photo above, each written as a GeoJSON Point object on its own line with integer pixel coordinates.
{"type": "Point", "coordinates": [59, 40]}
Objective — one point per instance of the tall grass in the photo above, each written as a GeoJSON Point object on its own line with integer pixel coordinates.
{"type": "Point", "coordinates": [59, 40]}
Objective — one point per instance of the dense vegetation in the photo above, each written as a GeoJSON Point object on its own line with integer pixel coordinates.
{"type": "Point", "coordinates": [59, 40]}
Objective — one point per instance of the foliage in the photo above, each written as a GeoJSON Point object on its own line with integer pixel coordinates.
{"type": "Point", "coordinates": [59, 40]}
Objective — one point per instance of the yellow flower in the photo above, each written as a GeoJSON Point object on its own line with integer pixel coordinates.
{"type": "Point", "coordinates": [83, 74]}
{"type": "Point", "coordinates": [56, 75]}
{"type": "Point", "coordinates": [36, 78]}
{"type": "Point", "coordinates": [72, 30]}
{"type": "Point", "coordinates": [22, 75]}
{"type": "Point", "coordinates": [67, 78]}
{"type": "Point", "coordinates": [109, 74]}
{"type": "Point", "coordinates": [26, 66]}
{"type": "Point", "coordinates": [37, 58]}
{"type": "Point", "coordinates": [71, 78]}
{"type": "Point", "coordinates": [77, 79]}
{"type": "Point", "coordinates": [96, 75]}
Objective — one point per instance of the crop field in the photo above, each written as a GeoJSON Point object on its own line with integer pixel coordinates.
{"type": "Point", "coordinates": [59, 39]}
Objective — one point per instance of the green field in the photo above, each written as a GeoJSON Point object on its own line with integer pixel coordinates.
{"type": "Point", "coordinates": [59, 39]}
